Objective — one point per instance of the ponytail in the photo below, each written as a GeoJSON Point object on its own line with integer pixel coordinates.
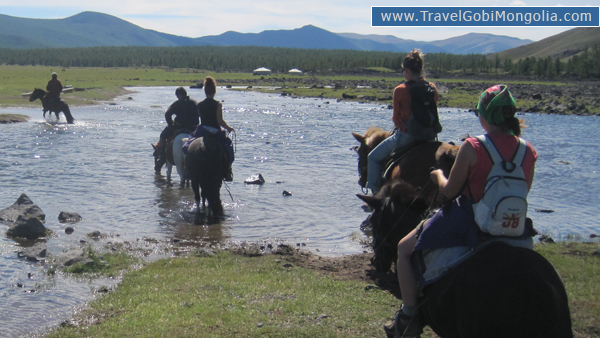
{"type": "Point", "coordinates": [511, 123]}
{"type": "Point", "coordinates": [414, 62]}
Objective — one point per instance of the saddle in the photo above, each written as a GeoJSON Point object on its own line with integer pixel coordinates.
{"type": "Point", "coordinates": [395, 157]}
{"type": "Point", "coordinates": [49, 104]}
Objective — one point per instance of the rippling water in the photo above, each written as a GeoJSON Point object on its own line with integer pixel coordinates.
{"type": "Point", "coordinates": [102, 168]}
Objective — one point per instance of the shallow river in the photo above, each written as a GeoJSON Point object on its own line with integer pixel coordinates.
{"type": "Point", "coordinates": [102, 168]}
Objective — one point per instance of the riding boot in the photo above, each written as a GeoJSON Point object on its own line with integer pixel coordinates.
{"type": "Point", "coordinates": [404, 326]}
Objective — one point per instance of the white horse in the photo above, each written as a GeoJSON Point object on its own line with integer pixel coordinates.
{"type": "Point", "coordinates": [178, 159]}
{"type": "Point", "coordinates": [174, 156]}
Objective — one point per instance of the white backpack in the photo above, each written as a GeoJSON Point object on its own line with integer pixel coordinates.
{"type": "Point", "coordinates": [503, 208]}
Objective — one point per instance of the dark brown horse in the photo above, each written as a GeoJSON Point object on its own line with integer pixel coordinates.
{"type": "Point", "coordinates": [413, 167]}
{"type": "Point", "coordinates": [500, 291]}
{"type": "Point", "coordinates": [55, 106]}
{"type": "Point", "coordinates": [206, 161]}
{"type": "Point", "coordinates": [402, 202]}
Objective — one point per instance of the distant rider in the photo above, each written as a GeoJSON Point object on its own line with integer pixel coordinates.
{"type": "Point", "coordinates": [185, 110]}
{"type": "Point", "coordinates": [53, 88]}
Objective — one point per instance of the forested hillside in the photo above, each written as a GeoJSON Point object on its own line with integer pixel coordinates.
{"type": "Point", "coordinates": [248, 58]}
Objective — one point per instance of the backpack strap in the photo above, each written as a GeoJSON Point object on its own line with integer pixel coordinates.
{"type": "Point", "coordinates": [517, 159]}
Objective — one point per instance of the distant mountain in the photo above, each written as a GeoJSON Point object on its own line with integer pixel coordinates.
{"type": "Point", "coordinates": [479, 43]}
{"type": "Point", "coordinates": [86, 29]}
{"type": "Point", "coordinates": [390, 43]}
{"type": "Point", "coordinates": [562, 46]}
{"type": "Point", "coordinates": [90, 29]}
{"type": "Point", "coordinates": [309, 37]}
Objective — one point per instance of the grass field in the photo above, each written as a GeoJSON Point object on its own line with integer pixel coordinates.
{"type": "Point", "coordinates": [98, 85]}
{"type": "Point", "coordinates": [229, 295]}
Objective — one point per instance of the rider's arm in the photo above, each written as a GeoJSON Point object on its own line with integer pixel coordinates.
{"type": "Point", "coordinates": [169, 114]}
{"type": "Point", "coordinates": [459, 173]}
{"type": "Point", "coordinates": [222, 122]}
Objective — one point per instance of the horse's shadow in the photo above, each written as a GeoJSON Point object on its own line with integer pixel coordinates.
{"type": "Point", "coordinates": [387, 281]}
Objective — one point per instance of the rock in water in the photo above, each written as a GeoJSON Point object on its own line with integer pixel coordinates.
{"type": "Point", "coordinates": [30, 228]}
{"type": "Point", "coordinates": [69, 217]}
{"type": "Point", "coordinates": [33, 253]}
{"type": "Point", "coordinates": [22, 207]}
{"type": "Point", "coordinates": [255, 179]}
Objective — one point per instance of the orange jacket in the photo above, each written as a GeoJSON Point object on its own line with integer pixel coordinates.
{"type": "Point", "coordinates": [401, 103]}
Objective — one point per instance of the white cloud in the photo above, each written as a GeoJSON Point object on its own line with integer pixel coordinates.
{"type": "Point", "coordinates": [518, 3]}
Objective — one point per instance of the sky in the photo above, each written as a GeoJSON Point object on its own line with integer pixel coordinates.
{"type": "Point", "coordinates": [197, 18]}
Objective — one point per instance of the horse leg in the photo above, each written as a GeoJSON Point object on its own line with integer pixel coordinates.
{"type": "Point", "coordinates": [169, 171]}
{"type": "Point", "coordinates": [196, 189]}
{"type": "Point", "coordinates": [179, 157]}
{"type": "Point", "coordinates": [203, 195]}
{"type": "Point", "coordinates": [213, 195]}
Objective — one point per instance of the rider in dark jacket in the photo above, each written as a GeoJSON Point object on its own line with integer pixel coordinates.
{"type": "Point", "coordinates": [185, 110]}
{"type": "Point", "coordinates": [53, 88]}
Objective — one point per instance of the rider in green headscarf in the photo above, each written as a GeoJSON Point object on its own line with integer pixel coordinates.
{"type": "Point", "coordinates": [491, 101]}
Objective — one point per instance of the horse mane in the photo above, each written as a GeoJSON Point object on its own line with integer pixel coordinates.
{"type": "Point", "coordinates": [401, 191]}
{"type": "Point", "coordinates": [374, 136]}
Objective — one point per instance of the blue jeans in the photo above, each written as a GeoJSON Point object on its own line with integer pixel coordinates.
{"type": "Point", "coordinates": [383, 149]}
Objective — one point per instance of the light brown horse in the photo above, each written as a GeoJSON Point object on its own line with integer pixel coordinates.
{"type": "Point", "coordinates": [413, 167]}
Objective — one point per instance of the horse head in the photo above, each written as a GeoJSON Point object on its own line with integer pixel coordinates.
{"type": "Point", "coordinates": [398, 209]}
{"type": "Point", "coordinates": [368, 141]}
{"type": "Point", "coordinates": [158, 162]}
{"type": "Point", "coordinates": [36, 94]}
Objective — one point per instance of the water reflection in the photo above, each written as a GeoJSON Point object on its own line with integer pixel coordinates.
{"type": "Point", "coordinates": [181, 217]}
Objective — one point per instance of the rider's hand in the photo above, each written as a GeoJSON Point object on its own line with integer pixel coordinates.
{"type": "Point", "coordinates": [435, 175]}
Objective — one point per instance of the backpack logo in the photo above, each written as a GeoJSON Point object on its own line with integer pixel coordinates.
{"type": "Point", "coordinates": [503, 209]}
{"type": "Point", "coordinates": [424, 123]}
{"type": "Point", "coordinates": [510, 221]}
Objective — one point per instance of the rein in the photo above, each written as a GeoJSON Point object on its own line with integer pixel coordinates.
{"type": "Point", "coordinates": [228, 190]}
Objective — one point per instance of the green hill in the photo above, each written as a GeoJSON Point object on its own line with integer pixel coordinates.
{"type": "Point", "coordinates": [562, 46]}
{"type": "Point", "coordinates": [85, 29]}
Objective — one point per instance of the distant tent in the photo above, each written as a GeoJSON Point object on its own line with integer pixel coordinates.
{"type": "Point", "coordinates": [295, 71]}
{"type": "Point", "coordinates": [262, 71]}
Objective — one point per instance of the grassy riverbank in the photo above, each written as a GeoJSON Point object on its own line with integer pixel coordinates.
{"type": "Point", "coordinates": [97, 85]}
{"type": "Point", "coordinates": [242, 293]}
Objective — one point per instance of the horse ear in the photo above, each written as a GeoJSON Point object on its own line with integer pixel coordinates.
{"type": "Point", "coordinates": [374, 202]}
{"type": "Point", "coordinates": [153, 145]}
{"type": "Point", "coordinates": [359, 137]}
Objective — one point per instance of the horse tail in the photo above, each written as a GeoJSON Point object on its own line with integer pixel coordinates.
{"type": "Point", "coordinates": [65, 109]}
{"type": "Point", "coordinates": [205, 164]}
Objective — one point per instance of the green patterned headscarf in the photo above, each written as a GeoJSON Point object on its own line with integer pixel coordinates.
{"type": "Point", "coordinates": [491, 101]}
